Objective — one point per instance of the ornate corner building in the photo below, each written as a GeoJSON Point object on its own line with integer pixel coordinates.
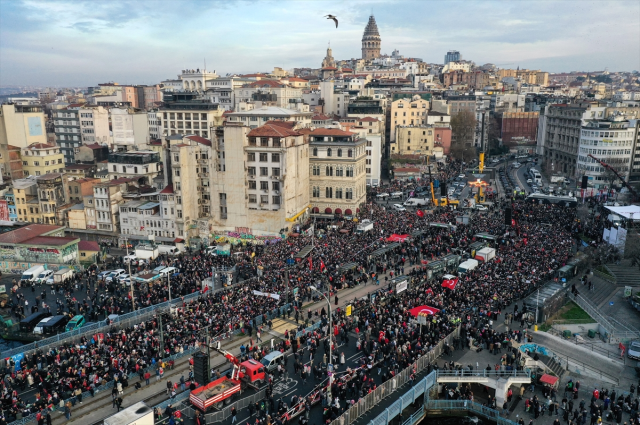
{"type": "Point", "coordinates": [371, 40]}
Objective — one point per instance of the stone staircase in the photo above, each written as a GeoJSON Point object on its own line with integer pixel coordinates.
{"type": "Point", "coordinates": [626, 275]}
{"type": "Point", "coordinates": [552, 364]}
{"type": "Point", "coordinates": [601, 293]}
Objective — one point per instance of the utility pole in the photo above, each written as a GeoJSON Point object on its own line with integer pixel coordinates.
{"type": "Point", "coordinates": [169, 283]}
{"type": "Point", "coordinates": [133, 299]}
{"type": "Point", "coordinates": [161, 335]}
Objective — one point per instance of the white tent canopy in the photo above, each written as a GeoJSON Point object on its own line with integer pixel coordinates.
{"type": "Point", "coordinates": [631, 212]}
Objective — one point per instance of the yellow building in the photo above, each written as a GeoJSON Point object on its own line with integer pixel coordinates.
{"type": "Point", "coordinates": [39, 159]}
{"type": "Point", "coordinates": [414, 140]}
{"type": "Point", "coordinates": [22, 125]}
{"type": "Point", "coordinates": [526, 75]}
{"type": "Point", "coordinates": [26, 198]}
{"type": "Point", "coordinates": [408, 112]}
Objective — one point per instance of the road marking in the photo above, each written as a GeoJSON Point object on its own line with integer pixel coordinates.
{"type": "Point", "coordinates": [284, 385]}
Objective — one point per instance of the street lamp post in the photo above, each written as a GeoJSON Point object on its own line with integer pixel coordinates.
{"type": "Point", "coordinates": [133, 300]}
{"type": "Point", "coordinates": [313, 288]}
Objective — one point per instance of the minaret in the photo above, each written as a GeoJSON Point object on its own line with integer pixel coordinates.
{"type": "Point", "coordinates": [371, 40]}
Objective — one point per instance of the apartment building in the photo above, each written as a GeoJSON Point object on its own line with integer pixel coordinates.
{"type": "Point", "coordinates": [94, 125]}
{"type": "Point", "coordinates": [107, 197]}
{"type": "Point", "coordinates": [80, 188]}
{"type": "Point", "coordinates": [67, 131]}
{"type": "Point", "coordinates": [143, 166]}
{"type": "Point", "coordinates": [154, 119]}
{"type": "Point", "coordinates": [262, 186]}
{"type": "Point", "coordinates": [414, 140]}
{"type": "Point", "coordinates": [561, 126]}
{"type": "Point", "coordinates": [185, 113]}
{"type": "Point", "coordinates": [337, 171]}
{"type": "Point", "coordinates": [25, 192]}
{"type": "Point", "coordinates": [39, 159]}
{"type": "Point", "coordinates": [270, 92]}
{"type": "Point", "coordinates": [11, 162]}
{"type": "Point", "coordinates": [190, 162]}
{"type": "Point", "coordinates": [22, 125]}
{"type": "Point", "coordinates": [611, 140]}
{"type": "Point", "coordinates": [411, 111]}
{"type": "Point", "coordinates": [130, 128]}
{"type": "Point", "coordinates": [255, 118]}
{"type": "Point", "coordinates": [53, 195]}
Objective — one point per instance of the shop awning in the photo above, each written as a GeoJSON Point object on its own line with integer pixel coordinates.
{"type": "Point", "coordinates": [548, 379]}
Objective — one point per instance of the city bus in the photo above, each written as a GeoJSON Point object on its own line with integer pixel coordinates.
{"type": "Point", "coordinates": [541, 198]}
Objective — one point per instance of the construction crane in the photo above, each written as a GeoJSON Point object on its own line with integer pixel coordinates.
{"type": "Point", "coordinates": [613, 170]}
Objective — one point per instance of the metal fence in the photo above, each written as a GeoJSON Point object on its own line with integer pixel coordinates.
{"type": "Point", "coordinates": [405, 377]}
{"type": "Point", "coordinates": [255, 321]}
{"type": "Point", "coordinates": [468, 406]}
{"type": "Point", "coordinates": [124, 320]}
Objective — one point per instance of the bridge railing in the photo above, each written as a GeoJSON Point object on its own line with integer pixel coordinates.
{"type": "Point", "coordinates": [484, 373]}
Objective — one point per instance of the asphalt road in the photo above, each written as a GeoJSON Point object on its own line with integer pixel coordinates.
{"type": "Point", "coordinates": [287, 386]}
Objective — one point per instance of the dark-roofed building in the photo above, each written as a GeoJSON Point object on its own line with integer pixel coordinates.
{"type": "Point", "coordinates": [80, 171]}
{"type": "Point", "coordinates": [92, 154]}
{"type": "Point", "coordinates": [38, 244]}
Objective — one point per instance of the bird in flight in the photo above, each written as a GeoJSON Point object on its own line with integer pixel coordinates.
{"type": "Point", "coordinates": [335, 19]}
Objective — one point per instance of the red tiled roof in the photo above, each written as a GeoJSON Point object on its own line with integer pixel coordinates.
{"type": "Point", "coordinates": [49, 240]}
{"type": "Point", "coordinates": [155, 142]}
{"type": "Point", "coordinates": [94, 146]}
{"type": "Point", "coordinates": [367, 119]}
{"type": "Point", "coordinates": [302, 80]}
{"type": "Point", "coordinates": [200, 140]}
{"type": "Point", "coordinates": [41, 146]}
{"type": "Point", "coordinates": [263, 83]}
{"type": "Point", "coordinates": [329, 68]}
{"type": "Point", "coordinates": [347, 69]}
{"type": "Point", "coordinates": [168, 189]}
{"type": "Point", "coordinates": [13, 148]}
{"type": "Point", "coordinates": [253, 75]}
{"type": "Point", "coordinates": [284, 124]}
{"type": "Point", "coordinates": [88, 246]}
{"type": "Point", "coordinates": [330, 132]}
{"type": "Point", "coordinates": [272, 130]}
{"type": "Point", "coordinates": [320, 117]}
{"type": "Point", "coordinates": [27, 232]}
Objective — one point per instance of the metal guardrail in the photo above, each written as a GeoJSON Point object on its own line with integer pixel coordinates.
{"type": "Point", "coordinates": [384, 390]}
{"type": "Point", "coordinates": [100, 327]}
{"type": "Point", "coordinates": [485, 373]}
{"type": "Point", "coordinates": [468, 405]}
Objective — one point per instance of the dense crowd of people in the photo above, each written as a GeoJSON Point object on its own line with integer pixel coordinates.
{"type": "Point", "coordinates": [527, 255]}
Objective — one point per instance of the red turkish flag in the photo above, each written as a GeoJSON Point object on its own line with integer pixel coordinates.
{"type": "Point", "coordinates": [310, 263]}
{"type": "Point", "coordinates": [420, 213]}
{"type": "Point", "coordinates": [322, 266]}
{"type": "Point", "coordinates": [513, 223]}
{"type": "Point", "coordinates": [423, 310]}
{"type": "Point", "coordinates": [429, 291]}
{"type": "Point", "coordinates": [449, 281]}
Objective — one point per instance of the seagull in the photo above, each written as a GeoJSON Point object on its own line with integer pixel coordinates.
{"type": "Point", "coordinates": [335, 19]}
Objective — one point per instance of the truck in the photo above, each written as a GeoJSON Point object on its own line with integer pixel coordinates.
{"type": "Point", "coordinates": [486, 254]}
{"type": "Point", "coordinates": [30, 276]}
{"type": "Point", "coordinates": [364, 226]}
{"type": "Point", "coordinates": [223, 391]}
{"type": "Point", "coordinates": [416, 202]}
{"type": "Point", "coordinates": [168, 250]}
{"type": "Point", "coordinates": [61, 275]}
{"type": "Point", "coordinates": [147, 252]}
{"type": "Point", "coordinates": [136, 414]}
{"type": "Point", "coordinates": [467, 266]}
{"type": "Point", "coordinates": [557, 179]}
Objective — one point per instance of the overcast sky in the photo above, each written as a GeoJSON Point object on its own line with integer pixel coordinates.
{"type": "Point", "coordinates": [81, 43]}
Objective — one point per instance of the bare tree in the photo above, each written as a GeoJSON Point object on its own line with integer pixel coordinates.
{"type": "Point", "coordinates": [463, 126]}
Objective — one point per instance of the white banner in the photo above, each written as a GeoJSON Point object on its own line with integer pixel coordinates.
{"type": "Point", "coordinates": [401, 286]}
{"type": "Point", "coordinates": [621, 240]}
{"type": "Point", "coordinates": [266, 294]}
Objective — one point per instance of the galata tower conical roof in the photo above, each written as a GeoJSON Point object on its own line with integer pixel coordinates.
{"type": "Point", "coordinates": [372, 29]}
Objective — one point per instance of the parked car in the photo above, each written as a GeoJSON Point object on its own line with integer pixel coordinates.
{"type": "Point", "coordinates": [481, 208]}
{"type": "Point", "coordinates": [114, 274]}
{"type": "Point", "coordinates": [399, 207]}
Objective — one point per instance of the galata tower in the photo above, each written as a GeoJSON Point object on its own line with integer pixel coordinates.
{"type": "Point", "coordinates": [371, 40]}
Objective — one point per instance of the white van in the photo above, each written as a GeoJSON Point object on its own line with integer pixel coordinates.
{"type": "Point", "coordinates": [168, 249]}
{"type": "Point", "coordinates": [382, 195]}
{"type": "Point", "coordinates": [168, 271]}
{"type": "Point", "coordinates": [30, 276]}
{"type": "Point", "coordinates": [397, 195]}
{"type": "Point", "coordinates": [42, 277]}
